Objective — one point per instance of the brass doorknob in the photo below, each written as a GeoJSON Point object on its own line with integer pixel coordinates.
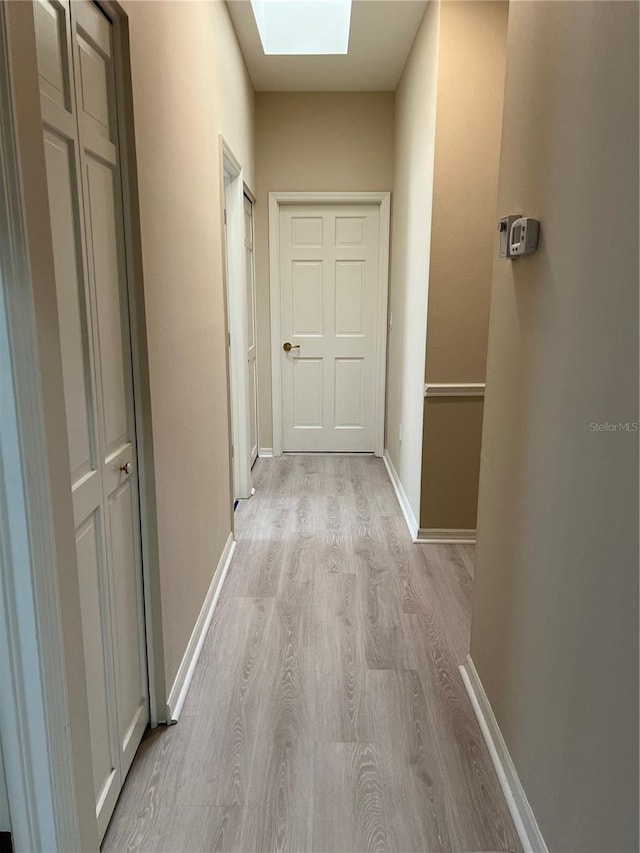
{"type": "Point", "coordinates": [287, 347]}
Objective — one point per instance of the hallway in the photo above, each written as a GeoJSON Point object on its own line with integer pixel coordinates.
{"type": "Point", "coordinates": [327, 711]}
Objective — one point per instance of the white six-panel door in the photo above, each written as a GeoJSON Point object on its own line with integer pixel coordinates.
{"type": "Point", "coordinates": [329, 257]}
{"type": "Point", "coordinates": [77, 84]}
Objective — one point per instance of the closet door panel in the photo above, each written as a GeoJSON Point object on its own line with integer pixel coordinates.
{"type": "Point", "coordinates": [127, 593]}
{"type": "Point", "coordinates": [72, 310]}
{"type": "Point", "coordinates": [107, 277]}
{"type": "Point", "coordinates": [95, 87]}
{"type": "Point", "coordinates": [95, 632]}
{"type": "Point", "coordinates": [77, 344]}
{"type": "Point", "coordinates": [77, 97]}
{"type": "Point", "coordinates": [53, 51]}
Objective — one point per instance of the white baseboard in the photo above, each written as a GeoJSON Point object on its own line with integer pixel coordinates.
{"type": "Point", "coordinates": [435, 536]}
{"type": "Point", "coordinates": [188, 664]}
{"type": "Point", "coordinates": [403, 500]}
{"type": "Point", "coordinates": [265, 452]}
{"type": "Point", "coordinates": [521, 812]}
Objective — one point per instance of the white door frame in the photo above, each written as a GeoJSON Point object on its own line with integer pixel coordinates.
{"type": "Point", "coordinates": [233, 191]}
{"type": "Point", "coordinates": [276, 200]}
{"type": "Point", "coordinates": [34, 710]}
{"type": "Point", "coordinates": [154, 637]}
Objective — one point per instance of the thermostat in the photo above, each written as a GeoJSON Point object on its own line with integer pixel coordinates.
{"type": "Point", "coordinates": [504, 227]}
{"type": "Point", "coordinates": [523, 236]}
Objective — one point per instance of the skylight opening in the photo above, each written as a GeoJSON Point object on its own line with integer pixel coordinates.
{"type": "Point", "coordinates": [303, 27]}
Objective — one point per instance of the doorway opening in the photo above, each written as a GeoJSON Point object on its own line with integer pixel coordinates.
{"type": "Point", "coordinates": [241, 324]}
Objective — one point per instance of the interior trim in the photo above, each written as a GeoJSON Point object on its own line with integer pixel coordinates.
{"type": "Point", "coordinates": [144, 426]}
{"type": "Point", "coordinates": [517, 802]}
{"type": "Point", "coordinates": [187, 666]}
{"type": "Point", "coordinates": [454, 389]}
{"type": "Point", "coordinates": [442, 536]}
{"type": "Point", "coordinates": [403, 500]}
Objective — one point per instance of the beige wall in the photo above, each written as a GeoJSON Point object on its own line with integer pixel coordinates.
{"type": "Point", "coordinates": [189, 84]}
{"type": "Point", "coordinates": [471, 68]}
{"type": "Point", "coordinates": [451, 462]}
{"type": "Point", "coordinates": [415, 127]}
{"type": "Point", "coordinates": [463, 236]}
{"type": "Point", "coordinates": [555, 615]}
{"type": "Point", "coordinates": [312, 141]}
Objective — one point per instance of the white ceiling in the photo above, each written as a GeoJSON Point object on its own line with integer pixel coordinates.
{"type": "Point", "coordinates": [382, 32]}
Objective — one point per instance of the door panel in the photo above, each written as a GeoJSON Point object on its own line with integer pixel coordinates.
{"type": "Point", "coordinates": [78, 110]}
{"type": "Point", "coordinates": [103, 252]}
{"type": "Point", "coordinates": [351, 230]}
{"type": "Point", "coordinates": [349, 393]}
{"type": "Point", "coordinates": [71, 303]}
{"type": "Point", "coordinates": [350, 302]}
{"type": "Point", "coordinates": [130, 678]}
{"type": "Point", "coordinates": [94, 72]}
{"type": "Point", "coordinates": [95, 633]}
{"type": "Point", "coordinates": [52, 51]}
{"type": "Point", "coordinates": [307, 298]}
{"type": "Point", "coordinates": [306, 231]}
{"type": "Point", "coordinates": [95, 91]}
{"type": "Point", "coordinates": [329, 259]}
{"type": "Point", "coordinates": [251, 330]}
{"type": "Point", "coordinates": [94, 86]}
{"type": "Point", "coordinates": [308, 382]}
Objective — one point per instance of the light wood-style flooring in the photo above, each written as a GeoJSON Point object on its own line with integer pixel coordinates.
{"type": "Point", "coordinates": [326, 712]}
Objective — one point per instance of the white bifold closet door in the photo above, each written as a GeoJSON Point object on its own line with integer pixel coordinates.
{"type": "Point", "coordinates": [78, 102]}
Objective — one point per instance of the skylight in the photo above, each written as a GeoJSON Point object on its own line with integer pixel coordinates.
{"type": "Point", "coordinates": [303, 27]}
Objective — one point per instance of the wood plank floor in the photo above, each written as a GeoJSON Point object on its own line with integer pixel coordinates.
{"type": "Point", "coordinates": [326, 712]}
